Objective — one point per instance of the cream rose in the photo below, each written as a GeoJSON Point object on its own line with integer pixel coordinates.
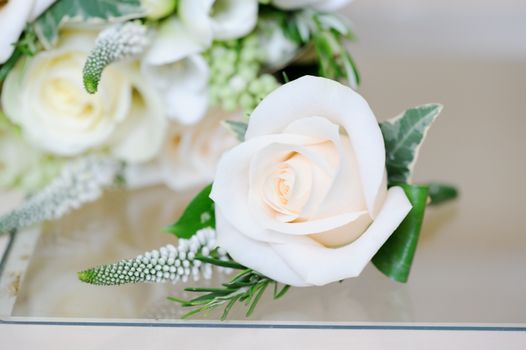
{"type": "Point", "coordinates": [304, 199]}
{"type": "Point", "coordinates": [45, 97]}
{"type": "Point", "coordinates": [14, 15]}
{"type": "Point", "coordinates": [190, 155]}
{"type": "Point", "coordinates": [322, 5]}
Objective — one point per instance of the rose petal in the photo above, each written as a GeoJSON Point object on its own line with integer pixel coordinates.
{"type": "Point", "coordinates": [345, 193]}
{"type": "Point", "coordinates": [345, 234]}
{"type": "Point", "coordinates": [313, 96]}
{"type": "Point", "coordinates": [319, 265]}
{"type": "Point", "coordinates": [233, 173]}
{"type": "Point", "coordinates": [320, 170]}
{"type": "Point", "coordinates": [259, 256]}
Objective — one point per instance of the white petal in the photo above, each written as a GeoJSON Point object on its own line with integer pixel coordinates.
{"type": "Point", "coordinates": [345, 193]}
{"type": "Point", "coordinates": [140, 137]}
{"type": "Point", "coordinates": [13, 17]}
{"type": "Point", "coordinates": [195, 15]}
{"type": "Point", "coordinates": [173, 42]}
{"type": "Point", "coordinates": [186, 107]}
{"type": "Point", "coordinates": [345, 234]}
{"type": "Point", "coordinates": [313, 96]}
{"type": "Point", "coordinates": [233, 173]}
{"type": "Point", "coordinates": [190, 153]}
{"type": "Point", "coordinates": [183, 86]}
{"type": "Point", "coordinates": [256, 255]}
{"type": "Point", "coordinates": [234, 18]}
{"type": "Point", "coordinates": [319, 265]}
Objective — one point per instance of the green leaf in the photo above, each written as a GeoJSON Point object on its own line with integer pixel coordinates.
{"type": "Point", "coordinates": [218, 262]}
{"type": "Point", "coordinates": [440, 193]}
{"type": "Point", "coordinates": [198, 215]}
{"type": "Point", "coordinates": [403, 136]}
{"type": "Point", "coordinates": [256, 300]}
{"type": "Point", "coordinates": [238, 128]}
{"type": "Point", "coordinates": [395, 257]}
{"type": "Point", "coordinates": [82, 11]}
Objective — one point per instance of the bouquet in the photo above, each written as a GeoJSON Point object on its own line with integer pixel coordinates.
{"type": "Point", "coordinates": [253, 102]}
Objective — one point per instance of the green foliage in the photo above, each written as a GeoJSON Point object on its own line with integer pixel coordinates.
{"type": "Point", "coordinates": [237, 80]}
{"type": "Point", "coordinates": [328, 34]}
{"type": "Point", "coordinates": [246, 287]}
{"type": "Point", "coordinates": [79, 11]}
{"type": "Point", "coordinates": [395, 257]}
{"type": "Point", "coordinates": [198, 215]}
{"type": "Point", "coordinates": [440, 193]}
{"type": "Point", "coordinates": [9, 64]}
{"type": "Point", "coordinates": [238, 128]}
{"type": "Point", "coordinates": [28, 45]}
{"type": "Point", "coordinates": [403, 137]}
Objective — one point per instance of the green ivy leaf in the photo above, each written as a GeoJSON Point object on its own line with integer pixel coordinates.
{"type": "Point", "coordinates": [395, 257]}
{"type": "Point", "coordinates": [76, 11]}
{"type": "Point", "coordinates": [198, 215]}
{"type": "Point", "coordinates": [440, 193]}
{"type": "Point", "coordinates": [403, 136]}
{"type": "Point", "coordinates": [238, 128]}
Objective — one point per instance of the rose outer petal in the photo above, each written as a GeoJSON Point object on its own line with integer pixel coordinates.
{"type": "Point", "coordinates": [318, 265]}
{"type": "Point", "coordinates": [260, 255]}
{"type": "Point", "coordinates": [313, 96]}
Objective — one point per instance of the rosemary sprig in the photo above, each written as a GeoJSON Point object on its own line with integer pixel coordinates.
{"type": "Point", "coordinates": [248, 286]}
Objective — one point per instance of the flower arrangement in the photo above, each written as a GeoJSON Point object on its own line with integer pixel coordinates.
{"type": "Point", "coordinates": [307, 186]}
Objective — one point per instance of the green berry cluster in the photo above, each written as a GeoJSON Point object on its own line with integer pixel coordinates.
{"type": "Point", "coordinates": [237, 81]}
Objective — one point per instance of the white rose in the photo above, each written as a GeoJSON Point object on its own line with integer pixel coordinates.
{"type": "Point", "coordinates": [219, 19]}
{"type": "Point", "coordinates": [189, 156]}
{"type": "Point", "coordinates": [304, 199]}
{"type": "Point", "coordinates": [14, 14]}
{"type": "Point", "coordinates": [321, 5]}
{"type": "Point", "coordinates": [45, 97]}
{"type": "Point", "coordinates": [179, 74]}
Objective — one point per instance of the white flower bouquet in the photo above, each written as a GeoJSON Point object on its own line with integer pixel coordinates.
{"type": "Point", "coordinates": [307, 186]}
